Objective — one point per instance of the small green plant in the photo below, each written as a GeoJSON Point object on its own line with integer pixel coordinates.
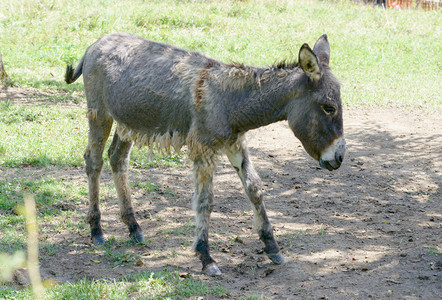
{"type": "Point", "coordinates": [187, 228]}
{"type": "Point", "coordinates": [322, 230]}
{"type": "Point", "coordinates": [294, 235]}
{"type": "Point", "coordinates": [119, 258]}
{"type": "Point", "coordinates": [146, 185]}
{"type": "Point", "coordinates": [434, 251]}
{"type": "Point", "coordinates": [255, 296]}
{"type": "Point", "coordinates": [48, 249]}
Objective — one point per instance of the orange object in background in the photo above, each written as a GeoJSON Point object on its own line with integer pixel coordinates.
{"type": "Point", "coordinates": [425, 4]}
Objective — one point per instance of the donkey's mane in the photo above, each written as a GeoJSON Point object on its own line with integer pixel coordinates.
{"type": "Point", "coordinates": [248, 74]}
{"type": "Point", "coordinates": [285, 64]}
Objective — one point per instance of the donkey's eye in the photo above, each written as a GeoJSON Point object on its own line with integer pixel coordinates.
{"type": "Point", "coordinates": [328, 110]}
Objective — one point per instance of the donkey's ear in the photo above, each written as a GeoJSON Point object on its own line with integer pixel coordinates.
{"type": "Point", "coordinates": [322, 49]}
{"type": "Point", "coordinates": [309, 63]}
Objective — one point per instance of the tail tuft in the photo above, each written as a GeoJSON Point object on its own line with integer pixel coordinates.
{"type": "Point", "coordinates": [68, 76]}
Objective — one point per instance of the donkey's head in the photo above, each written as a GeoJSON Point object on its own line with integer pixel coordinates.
{"type": "Point", "coordinates": [316, 115]}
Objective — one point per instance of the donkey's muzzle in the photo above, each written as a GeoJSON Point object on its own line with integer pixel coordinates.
{"type": "Point", "coordinates": [329, 165]}
{"type": "Point", "coordinates": [332, 158]}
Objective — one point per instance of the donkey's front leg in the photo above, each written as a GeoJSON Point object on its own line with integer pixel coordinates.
{"type": "Point", "coordinates": [119, 152]}
{"type": "Point", "coordinates": [203, 206]}
{"type": "Point", "coordinates": [239, 158]}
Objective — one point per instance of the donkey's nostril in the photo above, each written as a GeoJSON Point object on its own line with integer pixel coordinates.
{"type": "Point", "coordinates": [340, 158]}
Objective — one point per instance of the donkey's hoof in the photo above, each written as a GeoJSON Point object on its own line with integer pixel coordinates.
{"type": "Point", "coordinates": [137, 238]}
{"type": "Point", "coordinates": [212, 270]}
{"type": "Point", "coordinates": [276, 258]}
{"type": "Point", "coordinates": [98, 240]}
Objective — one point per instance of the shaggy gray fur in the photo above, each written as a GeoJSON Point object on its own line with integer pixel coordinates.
{"type": "Point", "coordinates": [167, 97]}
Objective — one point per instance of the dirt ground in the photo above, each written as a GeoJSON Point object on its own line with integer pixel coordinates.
{"type": "Point", "coordinates": [370, 230]}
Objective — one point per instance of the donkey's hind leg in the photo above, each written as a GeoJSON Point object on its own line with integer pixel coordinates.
{"type": "Point", "coordinates": [99, 129]}
{"type": "Point", "coordinates": [119, 153]}
{"type": "Point", "coordinates": [239, 158]}
{"type": "Point", "coordinates": [203, 206]}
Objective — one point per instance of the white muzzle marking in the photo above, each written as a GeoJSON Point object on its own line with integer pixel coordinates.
{"type": "Point", "coordinates": [334, 154]}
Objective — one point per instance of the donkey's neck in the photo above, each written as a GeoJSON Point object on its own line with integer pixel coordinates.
{"type": "Point", "coordinates": [263, 101]}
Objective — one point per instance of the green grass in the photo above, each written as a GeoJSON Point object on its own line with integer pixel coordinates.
{"type": "Point", "coordinates": [145, 285]}
{"type": "Point", "coordinates": [43, 135]}
{"type": "Point", "coordinates": [38, 135]}
{"type": "Point", "coordinates": [48, 191]}
{"type": "Point", "coordinates": [381, 56]}
{"type": "Point", "coordinates": [56, 200]}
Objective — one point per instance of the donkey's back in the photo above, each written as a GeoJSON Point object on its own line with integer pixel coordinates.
{"type": "Point", "coordinates": [139, 84]}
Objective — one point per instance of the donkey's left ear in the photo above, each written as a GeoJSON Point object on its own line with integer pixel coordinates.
{"type": "Point", "coordinates": [322, 49]}
{"type": "Point", "coordinates": [309, 63]}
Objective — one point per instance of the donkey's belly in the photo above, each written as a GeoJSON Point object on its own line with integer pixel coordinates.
{"type": "Point", "coordinates": [150, 119]}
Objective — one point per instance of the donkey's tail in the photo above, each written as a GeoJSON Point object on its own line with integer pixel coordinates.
{"type": "Point", "coordinates": [71, 75]}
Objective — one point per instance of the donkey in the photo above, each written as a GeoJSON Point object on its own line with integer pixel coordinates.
{"type": "Point", "coordinates": [165, 97]}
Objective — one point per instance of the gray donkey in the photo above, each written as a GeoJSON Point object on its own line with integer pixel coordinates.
{"type": "Point", "coordinates": [165, 97]}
